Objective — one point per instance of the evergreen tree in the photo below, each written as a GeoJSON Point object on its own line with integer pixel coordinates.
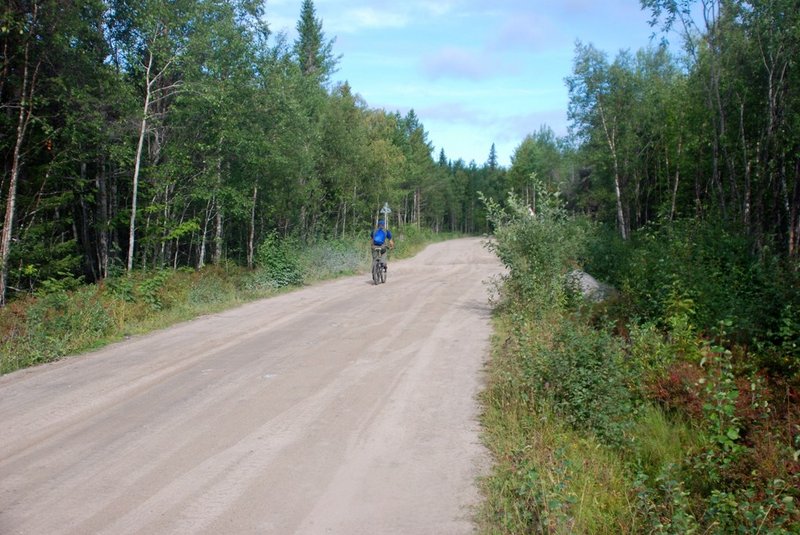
{"type": "Point", "coordinates": [314, 53]}
{"type": "Point", "coordinates": [443, 159]}
{"type": "Point", "coordinates": [491, 163]}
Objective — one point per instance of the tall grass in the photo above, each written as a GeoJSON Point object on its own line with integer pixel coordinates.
{"type": "Point", "coordinates": [547, 477]}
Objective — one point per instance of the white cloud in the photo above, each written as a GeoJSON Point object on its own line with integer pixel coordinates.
{"type": "Point", "coordinates": [454, 62]}
{"type": "Point", "coordinates": [354, 20]}
{"type": "Point", "coordinates": [437, 9]}
{"type": "Point", "coordinates": [516, 127]}
{"type": "Point", "coordinates": [372, 18]}
{"type": "Point", "coordinates": [527, 32]}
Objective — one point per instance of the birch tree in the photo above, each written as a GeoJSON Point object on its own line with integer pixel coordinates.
{"type": "Point", "coordinates": [596, 104]}
{"type": "Point", "coordinates": [151, 36]}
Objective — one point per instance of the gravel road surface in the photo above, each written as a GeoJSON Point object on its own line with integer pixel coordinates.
{"type": "Point", "coordinates": [341, 408]}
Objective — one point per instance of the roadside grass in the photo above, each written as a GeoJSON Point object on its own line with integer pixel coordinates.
{"type": "Point", "coordinates": [659, 441]}
{"type": "Point", "coordinates": [551, 476]}
{"type": "Point", "coordinates": [66, 318]}
{"type": "Point", "coordinates": [546, 477]}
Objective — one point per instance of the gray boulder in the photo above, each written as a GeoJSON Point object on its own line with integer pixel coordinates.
{"type": "Point", "coordinates": [590, 288]}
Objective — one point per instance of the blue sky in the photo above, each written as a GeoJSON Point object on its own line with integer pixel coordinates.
{"type": "Point", "coordinates": [475, 72]}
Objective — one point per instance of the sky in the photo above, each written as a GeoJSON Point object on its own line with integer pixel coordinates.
{"type": "Point", "coordinates": [475, 72]}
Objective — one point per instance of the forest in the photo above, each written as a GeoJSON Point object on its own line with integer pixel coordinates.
{"type": "Point", "coordinates": [142, 137]}
{"type": "Point", "coordinates": [144, 134]}
{"type": "Point", "coordinates": [149, 134]}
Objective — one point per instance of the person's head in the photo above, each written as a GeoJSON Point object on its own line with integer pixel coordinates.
{"type": "Point", "coordinates": [380, 222]}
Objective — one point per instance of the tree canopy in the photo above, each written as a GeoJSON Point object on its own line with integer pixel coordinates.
{"type": "Point", "coordinates": [141, 135]}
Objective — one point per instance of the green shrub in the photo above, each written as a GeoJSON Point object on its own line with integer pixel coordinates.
{"type": "Point", "coordinates": [745, 511]}
{"type": "Point", "coordinates": [213, 286]}
{"type": "Point", "coordinates": [121, 287]}
{"type": "Point", "coordinates": [151, 288]}
{"type": "Point", "coordinates": [548, 477]}
{"type": "Point", "coordinates": [706, 264]}
{"type": "Point", "coordinates": [664, 504]}
{"type": "Point", "coordinates": [331, 258]}
{"type": "Point", "coordinates": [278, 262]}
{"type": "Point", "coordinates": [583, 372]}
{"type": "Point", "coordinates": [649, 354]}
{"type": "Point", "coordinates": [692, 393]}
{"type": "Point", "coordinates": [605, 255]}
{"type": "Point", "coordinates": [537, 250]}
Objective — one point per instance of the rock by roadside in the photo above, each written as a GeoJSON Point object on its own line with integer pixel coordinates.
{"type": "Point", "coordinates": [590, 288]}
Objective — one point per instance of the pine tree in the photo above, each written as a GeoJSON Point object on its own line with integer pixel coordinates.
{"type": "Point", "coordinates": [443, 163]}
{"type": "Point", "coordinates": [314, 53]}
{"type": "Point", "coordinates": [491, 163]}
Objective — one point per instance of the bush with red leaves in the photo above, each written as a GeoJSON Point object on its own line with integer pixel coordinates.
{"type": "Point", "coordinates": [680, 390]}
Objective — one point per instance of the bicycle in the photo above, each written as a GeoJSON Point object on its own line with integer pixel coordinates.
{"type": "Point", "coordinates": [378, 265]}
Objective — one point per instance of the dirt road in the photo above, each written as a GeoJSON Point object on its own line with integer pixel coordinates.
{"type": "Point", "coordinates": [340, 408]}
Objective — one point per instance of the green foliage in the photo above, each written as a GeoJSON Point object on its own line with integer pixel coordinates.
{"type": "Point", "coordinates": [65, 282]}
{"type": "Point", "coordinates": [314, 52]}
{"type": "Point", "coordinates": [583, 373]}
{"type": "Point", "coordinates": [698, 273]}
{"type": "Point", "coordinates": [150, 289]}
{"type": "Point", "coordinates": [216, 287]}
{"type": "Point", "coordinates": [706, 439]}
{"type": "Point", "coordinates": [650, 355]}
{"type": "Point", "coordinates": [333, 258]}
{"type": "Point", "coordinates": [538, 249]}
{"type": "Point", "coordinates": [54, 325]}
{"type": "Point", "coordinates": [664, 503]}
{"type": "Point", "coordinates": [780, 350]}
{"type": "Point", "coordinates": [743, 511]}
{"type": "Point", "coordinates": [121, 287]}
{"type": "Point", "coordinates": [656, 141]}
{"type": "Point", "coordinates": [278, 262]}
{"type": "Point", "coordinates": [547, 478]}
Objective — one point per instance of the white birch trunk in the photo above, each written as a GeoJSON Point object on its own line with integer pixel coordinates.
{"type": "Point", "coordinates": [23, 120]}
{"type": "Point", "coordinates": [251, 246]}
{"type": "Point", "coordinates": [138, 162]}
{"type": "Point", "coordinates": [611, 139]}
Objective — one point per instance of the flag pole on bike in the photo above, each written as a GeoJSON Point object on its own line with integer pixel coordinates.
{"type": "Point", "coordinates": [380, 240]}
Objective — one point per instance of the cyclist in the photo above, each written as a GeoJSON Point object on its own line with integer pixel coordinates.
{"type": "Point", "coordinates": [378, 239]}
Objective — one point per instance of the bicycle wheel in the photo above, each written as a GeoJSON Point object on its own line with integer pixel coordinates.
{"type": "Point", "coordinates": [376, 272]}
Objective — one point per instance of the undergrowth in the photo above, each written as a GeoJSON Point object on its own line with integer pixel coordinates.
{"type": "Point", "coordinates": [670, 408]}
